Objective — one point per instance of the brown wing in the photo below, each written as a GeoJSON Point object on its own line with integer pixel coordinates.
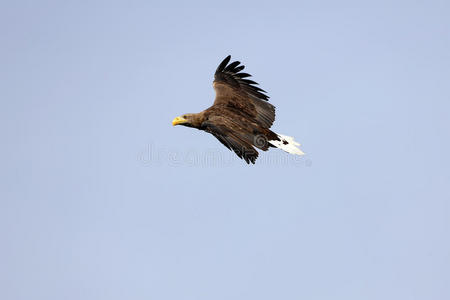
{"type": "Point", "coordinates": [234, 91]}
{"type": "Point", "coordinates": [231, 139]}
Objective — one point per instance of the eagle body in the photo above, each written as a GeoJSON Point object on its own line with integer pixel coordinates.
{"type": "Point", "coordinates": [241, 115]}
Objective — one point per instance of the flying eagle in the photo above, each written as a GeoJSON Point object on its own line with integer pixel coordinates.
{"type": "Point", "coordinates": [241, 115]}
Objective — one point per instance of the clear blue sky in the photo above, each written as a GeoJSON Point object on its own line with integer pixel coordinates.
{"type": "Point", "coordinates": [101, 198]}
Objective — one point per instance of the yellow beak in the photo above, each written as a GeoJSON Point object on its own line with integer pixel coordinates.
{"type": "Point", "coordinates": [178, 120]}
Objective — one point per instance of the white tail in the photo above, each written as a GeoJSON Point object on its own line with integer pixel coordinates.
{"type": "Point", "coordinates": [287, 144]}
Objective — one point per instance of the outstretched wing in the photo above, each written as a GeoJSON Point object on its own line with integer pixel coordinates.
{"type": "Point", "coordinates": [231, 140]}
{"type": "Point", "coordinates": [234, 91]}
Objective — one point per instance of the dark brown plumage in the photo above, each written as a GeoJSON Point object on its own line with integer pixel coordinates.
{"type": "Point", "coordinates": [240, 116]}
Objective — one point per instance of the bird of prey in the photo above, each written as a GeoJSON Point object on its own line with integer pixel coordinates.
{"type": "Point", "coordinates": [240, 116]}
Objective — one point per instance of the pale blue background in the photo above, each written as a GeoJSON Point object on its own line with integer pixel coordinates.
{"type": "Point", "coordinates": [101, 198]}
